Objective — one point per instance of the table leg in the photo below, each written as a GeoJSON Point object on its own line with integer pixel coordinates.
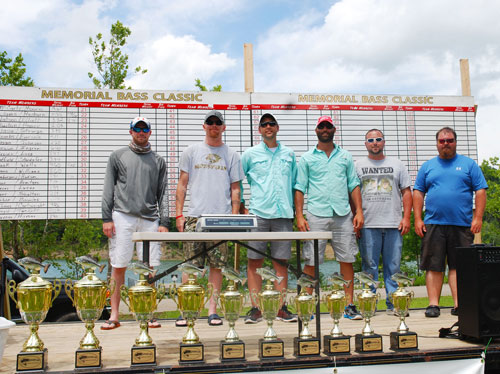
{"type": "Point", "coordinates": [316, 275]}
{"type": "Point", "coordinates": [145, 252]}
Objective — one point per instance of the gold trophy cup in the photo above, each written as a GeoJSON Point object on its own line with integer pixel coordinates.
{"type": "Point", "coordinates": [89, 297]}
{"type": "Point", "coordinates": [142, 300]}
{"type": "Point", "coordinates": [402, 339]}
{"type": "Point", "coordinates": [232, 348]}
{"type": "Point", "coordinates": [305, 344]}
{"type": "Point", "coordinates": [336, 343]}
{"type": "Point", "coordinates": [269, 301]}
{"type": "Point", "coordinates": [367, 341]}
{"type": "Point", "coordinates": [34, 298]}
{"type": "Point", "coordinates": [190, 299]}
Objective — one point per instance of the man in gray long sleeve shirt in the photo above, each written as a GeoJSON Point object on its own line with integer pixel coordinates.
{"type": "Point", "coordinates": [133, 200]}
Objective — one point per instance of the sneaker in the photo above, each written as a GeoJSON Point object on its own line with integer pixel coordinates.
{"type": "Point", "coordinates": [432, 311]}
{"type": "Point", "coordinates": [285, 315]}
{"type": "Point", "coordinates": [454, 311]}
{"type": "Point", "coordinates": [351, 312]}
{"type": "Point", "coordinates": [254, 315]}
{"type": "Point", "coordinates": [392, 312]}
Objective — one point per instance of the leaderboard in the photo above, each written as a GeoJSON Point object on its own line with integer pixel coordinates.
{"type": "Point", "coordinates": [55, 143]}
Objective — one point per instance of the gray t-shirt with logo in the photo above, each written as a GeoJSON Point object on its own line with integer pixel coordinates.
{"type": "Point", "coordinates": [211, 171]}
{"type": "Point", "coordinates": [381, 185]}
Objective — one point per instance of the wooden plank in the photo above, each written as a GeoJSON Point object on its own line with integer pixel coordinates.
{"type": "Point", "coordinates": [248, 66]}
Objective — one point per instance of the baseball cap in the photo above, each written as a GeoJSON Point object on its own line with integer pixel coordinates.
{"type": "Point", "coordinates": [325, 119]}
{"type": "Point", "coordinates": [267, 114]}
{"type": "Point", "coordinates": [214, 113]}
{"type": "Point", "coordinates": [136, 120]}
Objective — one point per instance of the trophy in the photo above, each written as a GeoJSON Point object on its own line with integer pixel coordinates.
{"type": "Point", "coordinates": [89, 297]}
{"type": "Point", "coordinates": [305, 344]}
{"type": "Point", "coordinates": [336, 343]}
{"type": "Point", "coordinates": [269, 301]}
{"type": "Point", "coordinates": [34, 298]}
{"type": "Point", "coordinates": [402, 339]}
{"type": "Point", "coordinates": [231, 302]}
{"type": "Point", "coordinates": [142, 301]}
{"type": "Point", "coordinates": [367, 341]}
{"type": "Point", "coordinates": [190, 299]}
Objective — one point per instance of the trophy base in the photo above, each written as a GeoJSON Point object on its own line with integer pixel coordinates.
{"type": "Point", "coordinates": [143, 355]}
{"type": "Point", "coordinates": [336, 345]}
{"type": "Point", "coordinates": [306, 347]}
{"type": "Point", "coordinates": [191, 353]}
{"type": "Point", "coordinates": [232, 351]}
{"type": "Point", "coordinates": [31, 361]}
{"type": "Point", "coordinates": [368, 343]}
{"type": "Point", "coordinates": [88, 358]}
{"type": "Point", "coordinates": [271, 349]}
{"type": "Point", "coordinates": [404, 341]}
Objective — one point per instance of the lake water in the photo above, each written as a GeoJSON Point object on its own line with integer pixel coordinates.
{"type": "Point", "coordinates": [327, 268]}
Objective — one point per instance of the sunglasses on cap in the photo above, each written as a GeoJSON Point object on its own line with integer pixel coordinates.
{"type": "Point", "coordinates": [139, 129]}
{"type": "Point", "coordinates": [322, 125]}
{"type": "Point", "coordinates": [269, 123]}
{"type": "Point", "coordinates": [211, 122]}
{"type": "Point", "coordinates": [371, 140]}
{"type": "Point", "coordinates": [449, 141]}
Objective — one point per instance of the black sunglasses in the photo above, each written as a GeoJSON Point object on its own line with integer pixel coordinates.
{"type": "Point", "coordinates": [265, 124]}
{"type": "Point", "coordinates": [449, 141]}
{"type": "Point", "coordinates": [211, 122]}
{"type": "Point", "coordinates": [322, 125]}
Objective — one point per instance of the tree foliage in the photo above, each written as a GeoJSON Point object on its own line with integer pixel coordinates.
{"type": "Point", "coordinates": [217, 88]}
{"type": "Point", "coordinates": [491, 219]}
{"type": "Point", "coordinates": [111, 62]}
{"type": "Point", "coordinates": [12, 73]}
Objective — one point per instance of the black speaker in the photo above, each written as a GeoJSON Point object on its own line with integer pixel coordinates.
{"type": "Point", "coordinates": [478, 281]}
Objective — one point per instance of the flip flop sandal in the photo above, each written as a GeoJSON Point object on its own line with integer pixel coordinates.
{"type": "Point", "coordinates": [180, 322]}
{"type": "Point", "coordinates": [154, 324]}
{"type": "Point", "coordinates": [111, 325]}
{"type": "Point", "coordinates": [212, 318]}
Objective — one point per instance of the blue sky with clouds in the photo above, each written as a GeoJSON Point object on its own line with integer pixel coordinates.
{"type": "Point", "coordinates": [345, 46]}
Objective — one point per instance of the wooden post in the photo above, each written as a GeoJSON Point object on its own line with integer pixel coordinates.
{"type": "Point", "coordinates": [248, 66]}
{"type": "Point", "coordinates": [466, 91]}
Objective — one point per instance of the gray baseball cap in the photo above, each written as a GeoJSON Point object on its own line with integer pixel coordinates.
{"type": "Point", "coordinates": [214, 113]}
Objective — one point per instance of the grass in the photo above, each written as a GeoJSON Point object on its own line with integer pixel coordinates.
{"type": "Point", "coordinates": [417, 303]}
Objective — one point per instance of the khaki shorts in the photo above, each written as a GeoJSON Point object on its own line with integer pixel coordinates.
{"type": "Point", "coordinates": [216, 258]}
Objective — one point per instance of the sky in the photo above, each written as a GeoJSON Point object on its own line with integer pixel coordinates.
{"type": "Point", "coordinates": [315, 46]}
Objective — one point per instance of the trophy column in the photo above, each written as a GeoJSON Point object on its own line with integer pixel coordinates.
{"type": "Point", "coordinates": [336, 343]}
{"type": "Point", "coordinates": [402, 339]}
{"type": "Point", "coordinates": [305, 345]}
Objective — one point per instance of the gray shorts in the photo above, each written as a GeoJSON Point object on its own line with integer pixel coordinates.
{"type": "Point", "coordinates": [343, 238]}
{"type": "Point", "coordinates": [279, 250]}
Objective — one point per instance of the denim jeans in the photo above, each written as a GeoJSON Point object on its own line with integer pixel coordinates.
{"type": "Point", "coordinates": [388, 242]}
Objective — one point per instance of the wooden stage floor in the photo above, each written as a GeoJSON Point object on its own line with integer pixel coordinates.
{"type": "Point", "coordinates": [62, 340]}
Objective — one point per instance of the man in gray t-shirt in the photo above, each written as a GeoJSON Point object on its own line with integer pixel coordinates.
{"type": "Point", "coordinates": [385, 184]}
{"type": "Point", "coordinates": [212, 171]}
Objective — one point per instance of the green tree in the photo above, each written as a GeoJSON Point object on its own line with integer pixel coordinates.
{"type": "Point", "coordinates": [12, 72]}
{"type": "Point", "coordinates": [491, 219]}
{"type": "Point", "coordinates": [111, 62]}
{"type": "Point", "coordinates": [217, 88]}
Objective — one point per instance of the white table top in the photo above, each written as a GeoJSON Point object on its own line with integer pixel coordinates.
{"type": "Point", "coordinates": [230, 236]}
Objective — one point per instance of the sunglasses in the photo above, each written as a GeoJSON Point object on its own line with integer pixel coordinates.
{"type": "Point", "coordinates": [265, 124]}
{"type": "Point", "coordinates": [211, 122]}
{"type": "Point", "coordinates": [371, 140]}
{"type": "Point", "coordinates": [322, 125]}
{"type": "Point", "coordinates": [449, 141]}
{"type": "Point", "coordinates": [139, 129]}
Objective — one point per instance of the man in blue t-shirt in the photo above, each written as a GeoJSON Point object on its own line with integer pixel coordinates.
{"type": "Point", "coordinates": [448, 182]}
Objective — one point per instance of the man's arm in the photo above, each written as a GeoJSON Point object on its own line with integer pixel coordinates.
{"type": "Point", "coordinates": [404, 225]}
{"type": "Point", "coordinates": [358, 219]}
{"type": "Point", "coordinates": [298, 198]}
{"type": "Point", "coordinates": [235, 197]}
{"type": "Point", "coordinates": [477, 221]}
{"type": "Point", "coordinates": [108, 226]}
{"type": "Point", "coordinates": [418, 205]}
{"type": "Point", "coordinates": [180, 197]}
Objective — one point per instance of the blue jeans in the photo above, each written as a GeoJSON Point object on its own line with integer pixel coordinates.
{"type": "Point", "coordinates": [389, 243]}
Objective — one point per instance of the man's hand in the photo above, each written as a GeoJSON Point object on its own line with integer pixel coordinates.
{"type": "Point", "coordinates": [358, 220]}
{"type": "Point", "coordinates": [108, 228]}
{"type": "Point", "coordinates": [302, 224]}
{"type": "Point", "coordinates": [162, 229]}
{"type": "Point", "coordinates": [476, 225]}
{"type": "Point", "coordinates": [404, 226]}
{"type": "Point", "coordinates": [179, 223]}
{"type": "Point", "coordinates": [420, 229]}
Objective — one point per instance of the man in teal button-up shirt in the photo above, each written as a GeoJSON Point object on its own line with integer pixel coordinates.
{"type": "Point", "coordinates": [328, 175]}
{"type": "Point", "coordinates": [271, 170]}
